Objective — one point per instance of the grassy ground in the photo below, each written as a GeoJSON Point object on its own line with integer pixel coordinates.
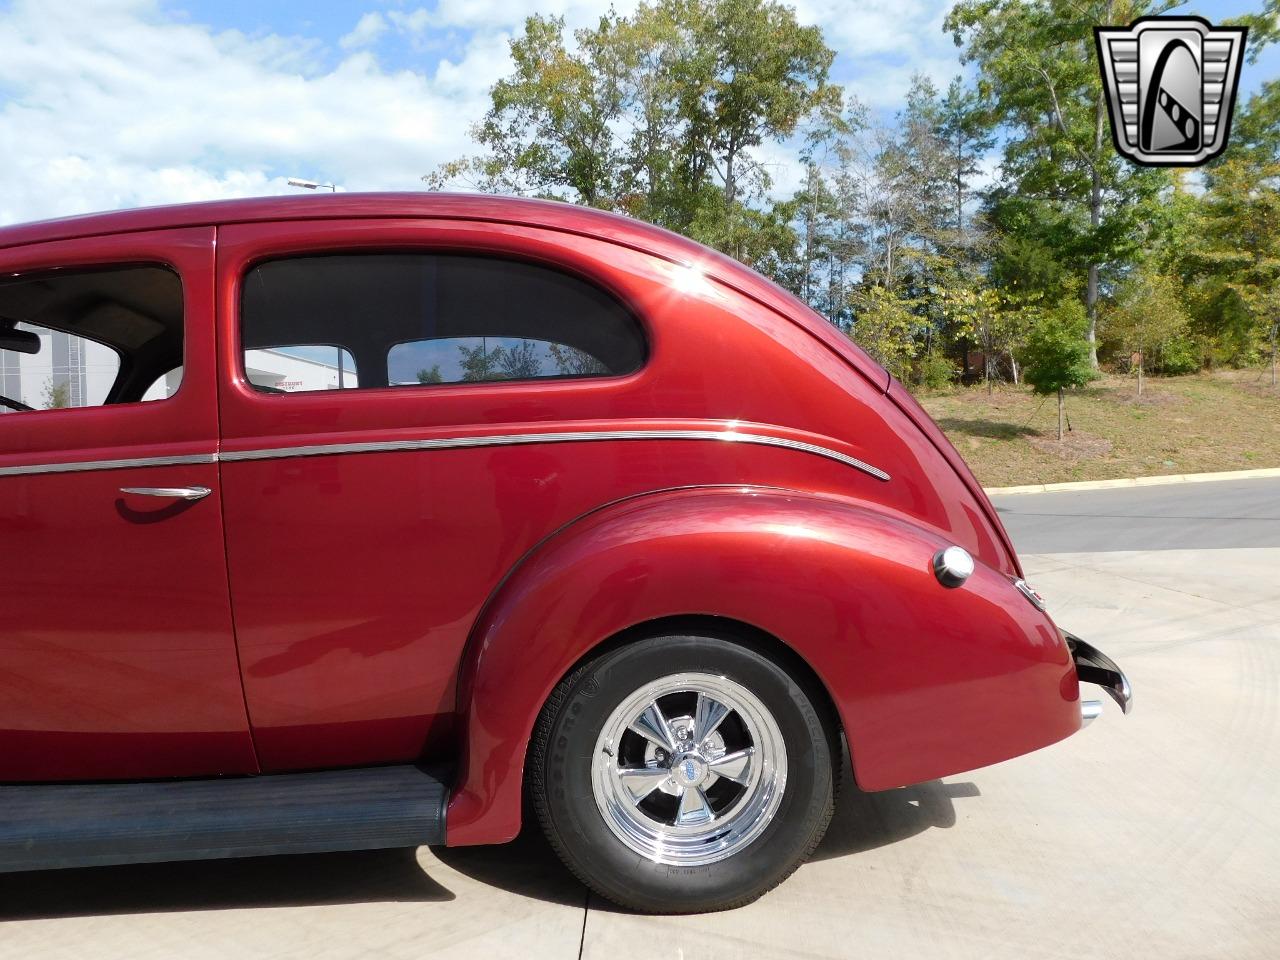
{"type": "Point", "coordinates": [1228, 420]}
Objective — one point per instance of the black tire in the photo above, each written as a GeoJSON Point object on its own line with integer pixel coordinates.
{"type": "Point", "coordinates": [561, 777]}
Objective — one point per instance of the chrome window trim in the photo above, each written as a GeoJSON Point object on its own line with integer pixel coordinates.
{"type": "Point", "coordinates": [567, 436]}
{"type": "Point", "coordinates": [77, 466]}
{"type": "Point", "coordinates": [450, 443]}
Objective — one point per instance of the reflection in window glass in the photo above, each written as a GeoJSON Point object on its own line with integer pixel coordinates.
{"type": "Point", "coordinates": [164, 387]}
{"type": "Point", "coordinates": [83, 338]}
{"type": "Point", "coordinates": [479, 359]}
{"type": "Point", "coordinates": [297, 369]}
{"type": "Point", "coordinates": [64, 371]}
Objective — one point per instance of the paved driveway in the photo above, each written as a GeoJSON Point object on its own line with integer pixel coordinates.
{"type": "Point", "coordinates": [1155, 835]}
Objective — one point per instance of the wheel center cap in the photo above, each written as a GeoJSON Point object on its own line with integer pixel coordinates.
{"type": "Point", "coordinates": [689, 770]}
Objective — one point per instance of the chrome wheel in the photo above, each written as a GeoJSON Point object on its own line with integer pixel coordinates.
{"type": "Point", "coordinates": [689, 769]}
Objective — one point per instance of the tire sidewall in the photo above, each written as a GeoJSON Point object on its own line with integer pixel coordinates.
{"type": "Point", "coordinates": [575, 821]}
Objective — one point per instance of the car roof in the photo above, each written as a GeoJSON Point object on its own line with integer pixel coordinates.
{"type": "Point", "coordinates": [333, 206]}
{"type": "Point", "coordinates": [547, 214]}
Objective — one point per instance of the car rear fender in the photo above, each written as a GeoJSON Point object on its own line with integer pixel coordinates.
{"type": "Point", "coordinates": [927, 680]}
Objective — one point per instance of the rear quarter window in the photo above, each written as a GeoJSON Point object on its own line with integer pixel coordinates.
{"type": "Point", "coordinates": [358, 321]}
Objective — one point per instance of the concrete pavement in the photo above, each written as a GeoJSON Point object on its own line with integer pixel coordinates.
{"type": "Point", "coordinates": [1153, 835]}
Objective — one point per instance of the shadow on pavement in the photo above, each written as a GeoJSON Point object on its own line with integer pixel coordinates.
{"type": "Point", "coordinates": [864, 821]}
{"type": "Point", "coordinates": [328, 878]}
{"type": "Point", "coordinates": [527, 867]}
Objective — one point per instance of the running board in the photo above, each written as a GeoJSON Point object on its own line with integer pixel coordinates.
{"type": "Point", "coordinates": [48, 826]}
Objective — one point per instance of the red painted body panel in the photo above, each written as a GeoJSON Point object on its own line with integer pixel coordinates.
{"type": "Point", "coordinates": [408, 604]}
{"type": "Point", "coordinates": [117, 658]}
{"type": "Point", "coordinates": [928, 681]}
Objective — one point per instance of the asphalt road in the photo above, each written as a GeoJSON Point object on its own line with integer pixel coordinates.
{"type": "Point", "coordinates": [1186, 516]}
{"type": "Point", "coordinates": [1155, 835]}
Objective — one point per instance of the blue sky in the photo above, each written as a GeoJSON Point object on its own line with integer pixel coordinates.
{"type": "Point", "coordinates": [329, 23]}
{"type": "Point", "coordinates": [114, 103]}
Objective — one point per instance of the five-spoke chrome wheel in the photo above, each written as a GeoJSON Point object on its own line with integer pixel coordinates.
{"type": "Point", "coordinates": [689, 769]}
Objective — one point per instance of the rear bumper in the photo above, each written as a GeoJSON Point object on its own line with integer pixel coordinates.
{"type": "Point", "coordinates": [1094, 666]}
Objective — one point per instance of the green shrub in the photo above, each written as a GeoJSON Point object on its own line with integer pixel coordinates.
{"type": "Point", "coordinates": [1177, 356]}
{"type": "Point", "coordinates": [933, 371]}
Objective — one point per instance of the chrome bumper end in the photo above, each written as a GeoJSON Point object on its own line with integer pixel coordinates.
{"type": "Point", "coordinates": [1094, 666]}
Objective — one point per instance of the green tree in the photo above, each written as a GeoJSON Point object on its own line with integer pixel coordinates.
{"type": "Point", "coordinates": [965, 129]}
{"type": "Point", "coordinates": [1150, 313]}
{"type": "Point", "coordinates": [832, 234]}
{"type": "Point", "coordinates": [659, 114]}
{"type": "Point", "coordinates": [57, 396]}
{"type": "Point", "coordinates": [1038, 69]}
{"type": "Point", "coordinates": [994, 319]}
{"type": "Point", "coordinates": [431, 374]}
{"type": "Point", "coordinates": [1236, 262]}
{"type": "Point", "coordinates": [521, 362]}
{"type": "Point", "coordinates": [1264, 27]}
{"type": "Point", "coordinates": [885, 326]}
{"type": "Point", "coordinates": [480, 363]}
{"type": "Point", "coordinates": [572, 362]}
{"type": "Point", "coordinates": [1055, 354]}
{"type": "Point", "coordinates": [551, 128]}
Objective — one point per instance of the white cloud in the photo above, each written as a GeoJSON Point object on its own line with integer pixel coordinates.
{"type": "Point", "coordinates": [415, 21]}
{"type": "Point", "coordinates": [885, 87]}
{"type": "Point", "coordinates": [501, 14]}
{"type": "Point", "coordinates": [126, 108]}
{"type": "Point", "coordinates": [869, 27]}
{"type": "Point", "coordinates": [366, 32]}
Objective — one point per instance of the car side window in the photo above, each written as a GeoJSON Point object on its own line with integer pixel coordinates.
{"type": "Point", "coordinates": [400, 319]}
{"type": "Point", "coordinates": [85, 338]}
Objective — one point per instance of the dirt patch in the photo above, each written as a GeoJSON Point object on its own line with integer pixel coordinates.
{"type": "Point", "coordinates": [1075, 446]}
{"type": "Point", "coordinates": [1149, 398]}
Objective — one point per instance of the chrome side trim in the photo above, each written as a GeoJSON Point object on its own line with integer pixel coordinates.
{"type": "Point", "coordinates": [449, 443]}
{"type": "Point", "coordinates": [568, 436]}
{"type": "Point", "coordinates": [81, 465]}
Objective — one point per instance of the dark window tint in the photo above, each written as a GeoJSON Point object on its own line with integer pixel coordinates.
{"type": "Point", "coordinates": [84, 338]}
{"type": "Point", "coordinates": [413, 319]}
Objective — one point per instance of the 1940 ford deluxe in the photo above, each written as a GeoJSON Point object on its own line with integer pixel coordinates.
{"type": "Point", "coordinates": [354, 521]}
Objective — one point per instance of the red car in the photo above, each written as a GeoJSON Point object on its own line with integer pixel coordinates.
{"type": "Point", "coordinates": [351, 522]}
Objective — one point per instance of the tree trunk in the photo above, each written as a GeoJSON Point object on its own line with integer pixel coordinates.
{"type": "Point", "coordinates": [730, 180]}
{"type": "Point", "coordinates": [1013, 365]}
{"type": "Point", "coordinates": [1095, 218]}
{"type": "Point", "coordinates": [1091, 303]}
{"type": "Point", "coordinates": [987, 361]}
{"type": "Point", "coordinates": [1275, 333]}
{"type": "Point", "coordinates": [1061, 413]}
{"type": "Point", "coordinates": [1141, 361]}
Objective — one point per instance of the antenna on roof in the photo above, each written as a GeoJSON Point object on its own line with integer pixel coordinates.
{"type": "Point", "coordinates": [312, 185]}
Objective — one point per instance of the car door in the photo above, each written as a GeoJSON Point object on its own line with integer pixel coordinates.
{"type": "Point", "coordinates": [364, 529]}
{"type": "Point", "coordinates": [117, 656]}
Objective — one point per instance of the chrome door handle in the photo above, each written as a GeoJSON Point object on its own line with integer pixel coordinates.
{"type": "Point", "coordinates": [178, 493]}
